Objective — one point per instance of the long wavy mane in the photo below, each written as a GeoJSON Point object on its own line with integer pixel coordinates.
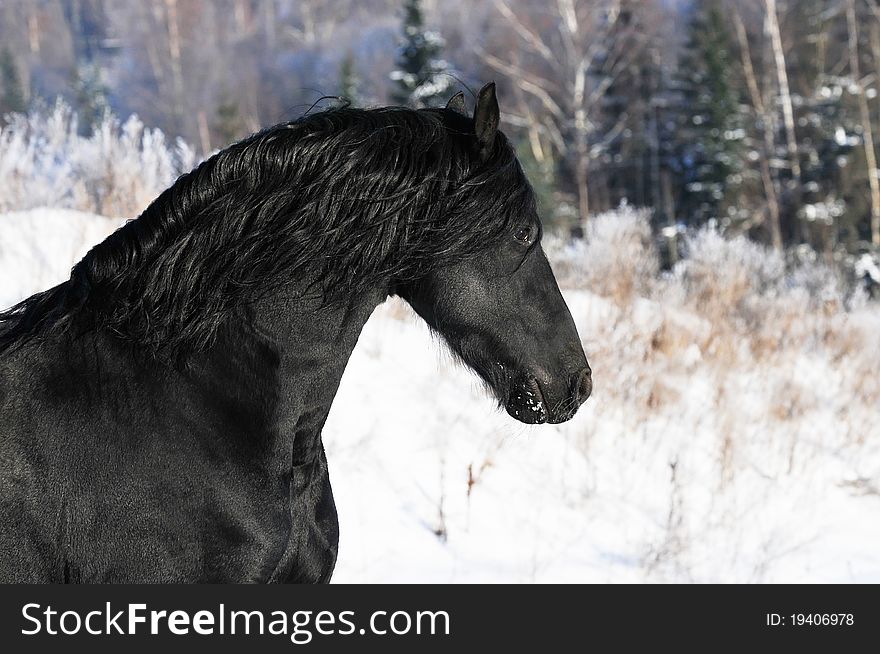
{"type": "Point", "coordinates": [347, 197]}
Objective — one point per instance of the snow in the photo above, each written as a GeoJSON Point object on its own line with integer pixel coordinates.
{"type": "Point", "coordinates": [611, 496]}
{"type": "Point", "coordinates": [867, 267]}
{"type": "Point", "coordinates": [700, 456]}
{"type": "Point", "coordinates": [39, 247]}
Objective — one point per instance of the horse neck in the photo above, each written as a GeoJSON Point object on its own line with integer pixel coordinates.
{"type": "Point", "coordinates": [313, 342]}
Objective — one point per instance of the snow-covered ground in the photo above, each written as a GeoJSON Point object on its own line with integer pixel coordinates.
{"type": "Point", "coordinates": [729, 437]}
{"type": "Point", "coordinates": [617, 494]}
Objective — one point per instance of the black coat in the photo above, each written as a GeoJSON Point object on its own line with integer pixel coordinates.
{"type": "Point", "coordinates": [116, 469]}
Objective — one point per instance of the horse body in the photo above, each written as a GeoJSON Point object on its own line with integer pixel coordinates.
{"type": "Point", "coordinates": [114, 471]}
{"type": "Point", "coordinates": [162, 409]}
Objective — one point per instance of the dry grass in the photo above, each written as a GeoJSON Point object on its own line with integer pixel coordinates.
{"type": "Point", "coordinates": [762, 367]}
{"type": "Point", "coordinates": [754, 305]}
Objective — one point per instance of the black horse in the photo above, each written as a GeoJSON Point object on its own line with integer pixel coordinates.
{"type": "Point", "coordinates": [161, 411]}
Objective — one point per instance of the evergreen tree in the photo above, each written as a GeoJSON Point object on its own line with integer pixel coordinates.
{"type": "Point", "coordinates": [90, 95]}
{"type": "Point", "coordinates": [11, 95]}
{"type": "Point", "coordinates": [541, 176]}
{"type": "Point", "coordinates": [834, 173]}
{"type": "Point", "coordinates": [228, 124]}
{"type": "Point", "coordinates": [348, 80]}
{"type": "Point", "coordinates": [422, 77]}
{"type": "Point", "coordinates": [712, 132]}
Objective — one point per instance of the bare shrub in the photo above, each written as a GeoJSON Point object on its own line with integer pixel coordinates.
{"type": "Point", "coordinates": [726, 280]}
{"type": "Point", "coordinates": [616, 257]}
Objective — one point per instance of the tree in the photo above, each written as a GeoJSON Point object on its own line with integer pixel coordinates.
{"type": "Point", "coordinates": [712, 129]}
{"type": "Point", "coordinates": [228, 124]}
{"type": "Point", "coordinates": [564, 60]}
{"type": "Point", "coordinates": [541, 176]}
{"type": "Point", "coordinates": [865, 118]}
{"type": "Point", "coordinates": [422, 78]}
{"type": "Point", "coordinates": [794, 57]}
{"type": "Point", "coordinates": [349, 81]}
{"type": "Point", "coordinates": [828, 131]}
{"type": "Point", "coordinates": [764, 145]}
{"type": "Point", "coordinates": [90, 95]}
{"type": "Point", "coordinates": [11, 95]}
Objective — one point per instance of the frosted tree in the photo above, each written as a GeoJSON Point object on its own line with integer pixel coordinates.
{"type": "Point", "coordinates": [861, 92]}
{"type": "Point", "coordinates": [830, 194]}
{"type": "Point", "coordinates": [349, 82]}
{"type": "Point", "coordinates": [90, 94]}
{"type": "Point", "coordinates": [115, 169]}
{"type": "Point", "coordinates": [422, 77]}
{"type": "Point", "coordinates": [712, 128]}
{"type": "Point", "coordinates": [228, 124]}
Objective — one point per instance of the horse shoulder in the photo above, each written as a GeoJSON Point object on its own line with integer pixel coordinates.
{"type": "Point", "coordinates": [132, 470]}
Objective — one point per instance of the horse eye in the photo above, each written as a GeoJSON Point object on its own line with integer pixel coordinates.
{"type": "Point", "coordinates": [523, 234]}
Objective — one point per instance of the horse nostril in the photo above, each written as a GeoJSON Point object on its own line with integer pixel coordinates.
{"type": "Point", "coordinates": [584, 385]}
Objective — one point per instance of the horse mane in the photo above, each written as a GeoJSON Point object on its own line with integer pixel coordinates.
{"type": "Point", "coordinates": [348, 197]}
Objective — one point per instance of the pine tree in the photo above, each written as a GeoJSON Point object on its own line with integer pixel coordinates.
{"type": "Point", "coordinates": [422, 77]}
{"type": "Point", "coordinates": [11, 95]}
{"type": "Point", "coordinates": [228, 124]}
{"type": "Point", "coordinates": [348, 81]}
{"type": "Point", "coordinates": [90, 95]}
{"type": "Point", "coordinates": [542, 178]}
{"type": "Point", "coordinates": [829, 134]}
{"type": "Point", "coordinates": [712, 133]}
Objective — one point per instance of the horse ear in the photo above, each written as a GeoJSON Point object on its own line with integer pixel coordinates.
{"type": "Point", "coordinates": [456, 104]}
{"type": "Point", "coordinates": [486, 119]}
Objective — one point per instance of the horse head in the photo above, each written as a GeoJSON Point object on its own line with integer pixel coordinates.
{"type": "Point", "coordinates": [501, 311]}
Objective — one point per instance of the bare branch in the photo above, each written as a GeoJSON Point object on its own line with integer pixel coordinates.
{"type": "Point", "coordinates": [531, 38]}
{"type": "Point", "coordinates": [526, 82]}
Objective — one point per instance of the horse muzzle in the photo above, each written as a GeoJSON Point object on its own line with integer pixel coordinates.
{"type": "Point", "coordinates": [533, 402]}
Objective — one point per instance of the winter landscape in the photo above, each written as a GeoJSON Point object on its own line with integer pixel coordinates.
{"type": "Point", "coordinates": [707, 175]}
{"type": "Point", "coordinates": [733, 434]}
